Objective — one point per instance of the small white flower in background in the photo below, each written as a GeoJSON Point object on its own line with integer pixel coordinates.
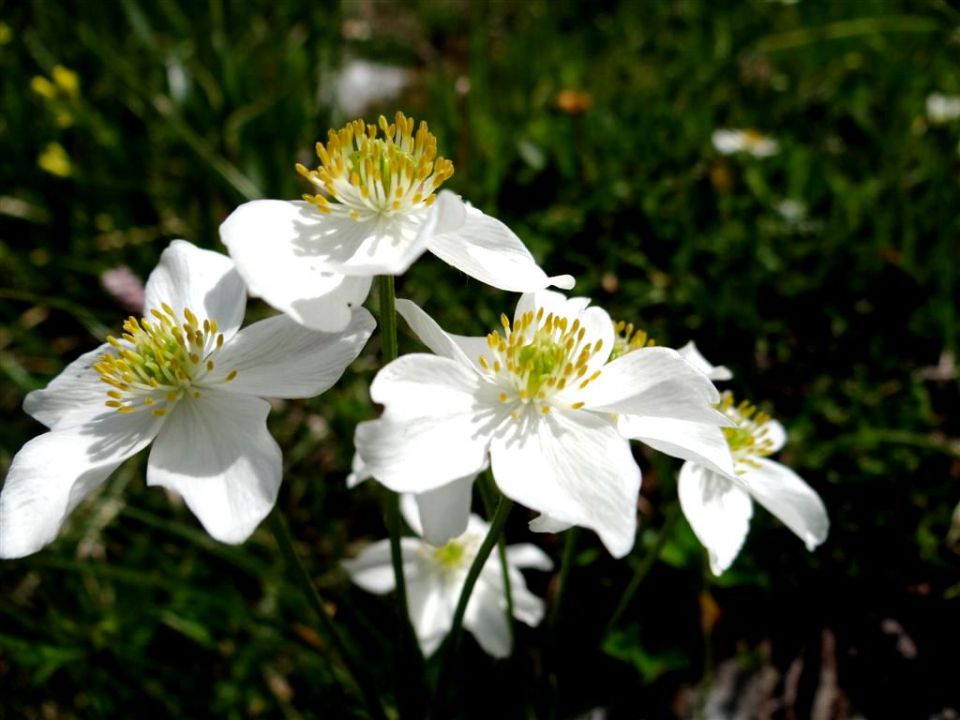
{"type": "Point", "coordinates": [185, 377]}
{"type": "Point", "coordinates": [377, 209]}
{"type": "Point", "coordinates": [125, 287]}
{"type": "Point", "coordinates": [361, 83]}
{"type": "Point", "coordinates": [719, 507]}
{"type": "Point", "coordinates": [548, 406]}
{"type": "Point", "coordinates": [751, 142]}
{"type": "Point", "coordinates": [942, 108]}
{"type": "Point", "coordinates": [435, 577]}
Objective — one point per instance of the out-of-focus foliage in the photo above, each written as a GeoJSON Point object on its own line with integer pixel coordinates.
{"type": "Point", "coordinates": [825, 277]}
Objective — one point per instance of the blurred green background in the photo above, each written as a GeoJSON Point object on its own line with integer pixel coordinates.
{"type": "Point", "coordinates": [824, 276]}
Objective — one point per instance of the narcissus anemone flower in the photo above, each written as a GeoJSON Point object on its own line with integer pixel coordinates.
{"type": "Point", "coordinates": [751, 142]}
{"type": "Point", "coordinates": [542, 398]}
{"type": "Point", "coordinates": [719, 507]}
{"type": "Point", "coordinates": [375, 211]}
{"type": "Point", "coordinates": [184, 376]}
{"type": "Point", "coordinates": [435, 577]}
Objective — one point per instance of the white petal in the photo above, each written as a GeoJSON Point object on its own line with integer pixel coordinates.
{"type": "Point", "coordinates": [728, 141]}
{"type": "Point", "coordinates": [486, 619]}
{"type": "Point", "coordinates": [433, 429]}
{"type": "Point", "coordinates": [432, 603]}
{"type": "Point", "coordinates": [55, 471]}
{"type": "Point", "coordinates": [527, 607]}
{"type": "Point", "coordinates": [776, 435]}
{"type": "Point", "coordinates": [372, 569]}
{"type": "Point", "coordinates": [547, 524]}
{"type": "Point", "coordinates": [486, 249]}
{"type": "Point", "coordinates": [431, 334]}
{"type": "Point", "coordinates": [781, 491]}
{"type": "Point", "coordinates": [204, 281]}
{"type": "Point", "coordinates": [217, 453]}
{"type": "Point", "coordinates": [277, 357]}
{"type": "Point", "coordinates": [654, 382]}
{"type": "Point", "coordinates": [703, 444]}
{"type": "Point", "coordinates": [718, 511]}
{"type": "Point", "coordinates": [358, 472]}
{"type": "Point", "coordinates": [444, 511]}
{"type": "Point", "coordinates": [691, 354]}
{"type": "Point", "coordinates": [574, 467]}
{"type": "Point", "coordinates": [77, 393]}
{"type": "Point", "coordinates": [552, 302]}
{"type": "Point", "coordinates": [528, 555]}
{"type": "Point", "coordinates": [264, 238]}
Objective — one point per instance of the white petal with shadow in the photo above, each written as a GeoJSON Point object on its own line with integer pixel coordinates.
{"type": "Point", "coordinates": [217, 454]}
{"type": "Point", "coordinates": [718, 511]}
{"type": "Point", "coordinates": [204, 281]}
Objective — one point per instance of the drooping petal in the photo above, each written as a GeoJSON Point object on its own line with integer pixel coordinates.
{"type": "Point", "coordinates": [204, 281]}
{"type": "Point", "coordinates": [76, 392]}
{"type": "Point", "coordinates": [444, 511]}
{"type": "Point", "coordinates": [372, 569]}
{"type": "Point", "coordinates": [433, 429]}
{"type": "Point", "coordinates": [797, 505]}
{"type": "Point", "coordinates": [431, 334]}
{"type": "Point", "coordinates": [486, 249]}
{"type": "Point", "coordinates": [432, 604]}
{"type": "Point", "coordinates": [699, 443]}
{"type": "Point", "coordinates": [527, 607]}
{"type": "Point", "coordinates": [691, 354]}
{"type": "Point", "coordinates": [486, 618]}
{"type": "Point", "coordinates": [55, 471]}
{"type": "Point", "coordinates": [574, 467]}
{"type": "Point", "coordinates": [358, 472]}
{"type": "Point", "coordinates": [528, 555]}
{"type": "Point", "coordinates": [547, 524]}
{"type": "Point", "coordinates": [277, 357]}
{"type": "Point", "coordinates": [266, 239]}
{"type": "Point", "coordinates": [217, 453]}
{"type": "Point", "coordinates": [718, 511]}
{"type": "Point", "coordinates": [654, 382]}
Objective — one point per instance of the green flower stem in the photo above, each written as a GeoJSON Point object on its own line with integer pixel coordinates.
{"type": "Point", "coordinates": [488, 493]}
{"type": "Point", "coordinates": [408, 660]}
{"type": "Point", "coordinates": [359, 677]}
{"type": "Point", "coordinates": [504, 506]}
{"type": "Point", "coordinates": [566, 561]}
{"type": "Point", "coordinates": [644, 567]}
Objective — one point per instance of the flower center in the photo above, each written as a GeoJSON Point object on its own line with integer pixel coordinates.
{"type": "Point", "coordinates": [450, 556]}
{"type": "Point", "coordinates": [627, 339]}
{"type": "Point", "coordinates": [155, 362]}
{"type": "Point", "coordinates": [538, 357]}
{"type": "Point", "coordinates": [748, 439]}
{"type": "Point", "coordinates": [362, 175]}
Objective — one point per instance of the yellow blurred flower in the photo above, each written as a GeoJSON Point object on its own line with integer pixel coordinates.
{"type": "Point", "coordinates": [67, 80]}
{"type": "Point", "coordinates": [43, 87]}
{"type": "Point", "coordinates": [54, 160]}
{"type": "Point", "coordinates": [6, 34]}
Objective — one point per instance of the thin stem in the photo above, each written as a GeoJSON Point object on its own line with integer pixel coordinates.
{"type": "Point", "coordinates": [644, 567]}
{"type": "Point", "coordinates": [569, 544]}
{"type": "Point", "coordinates": [487, 493]}
{"type": "Point", "coordinates": [453, 638]}
{"type": "Point", "coordinates": [360, 678]}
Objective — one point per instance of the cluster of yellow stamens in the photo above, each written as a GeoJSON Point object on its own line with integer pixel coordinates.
{"type": "Point", "coordinates": [156, 361]}
{"type": "Point", "coordinates": [627, 338]}
{"type": "Point", "coordinates": [362, 175]}
{"type": "Point", "coordinates": [749, 438]}
{"type": "Point", "coordinates": [539, 356]}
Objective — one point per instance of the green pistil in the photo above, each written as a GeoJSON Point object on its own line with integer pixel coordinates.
{"type": "Point", "coordinates": [450, 555]}
{"type": "Point", "coordinates": [542, 359]}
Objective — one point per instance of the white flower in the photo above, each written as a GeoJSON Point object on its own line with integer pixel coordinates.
{"type": "Point", "coordinates": [182, 375]}
{"type": "Point", "coordinates": [360, 83]}
{"type": "Point", "coordinates": [943, 108]}
{"type": "Point", "coordinates": [719, 508]}
{"type": "Point", "coordinates": [435, 577]}
{"type": "Point", "coordinates": [752, 142]}
{"type": "Point", "coordinates": [548, 408]}
{"type": "Point", "coordinates": [377, 210]}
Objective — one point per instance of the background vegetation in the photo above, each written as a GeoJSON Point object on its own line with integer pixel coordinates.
{"type": "Point", "coordinates": [586, 127]}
